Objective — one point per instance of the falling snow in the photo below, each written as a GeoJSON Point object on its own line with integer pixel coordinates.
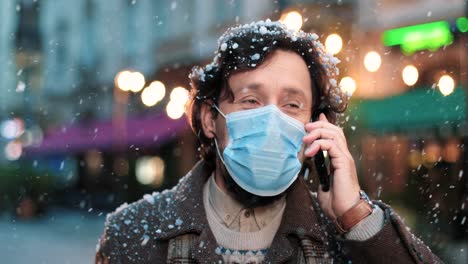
{"type": "Point", "coordinates": [20, 87]}
{"type": "Point", "coordinates": [145, 240]}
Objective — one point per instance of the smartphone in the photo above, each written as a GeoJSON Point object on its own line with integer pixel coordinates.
{"type": "Point", "coordinates": [322, 166]}
{"type": "Point", "coordinates": [323, 170]}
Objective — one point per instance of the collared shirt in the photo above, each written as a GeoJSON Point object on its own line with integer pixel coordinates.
{"type": "Point", "coordinates": [238, 218]}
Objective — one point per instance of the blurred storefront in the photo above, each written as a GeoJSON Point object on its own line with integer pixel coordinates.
{"type": "Point", "coordinates": [407, 120]}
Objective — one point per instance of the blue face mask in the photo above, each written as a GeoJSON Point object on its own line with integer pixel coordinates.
{"type": "Point", "coordinates": [262, 149]}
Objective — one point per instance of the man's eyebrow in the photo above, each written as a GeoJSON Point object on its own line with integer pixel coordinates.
{"type": "Point", "coordinates": [293, 91]}
{"type": "Point", "coordinates": [259, 86]}
{"type": "Point", "coordinates": [251, 86]}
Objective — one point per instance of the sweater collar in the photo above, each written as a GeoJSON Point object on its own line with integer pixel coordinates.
{"type": "Point", "coordinates": [228, 209]}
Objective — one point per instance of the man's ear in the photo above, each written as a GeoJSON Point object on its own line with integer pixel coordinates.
{"type": "Point", "coordinates": [207, 120]}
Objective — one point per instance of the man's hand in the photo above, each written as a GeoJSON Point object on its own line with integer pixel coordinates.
{"type": "Point", "coordinates": [344, 188]}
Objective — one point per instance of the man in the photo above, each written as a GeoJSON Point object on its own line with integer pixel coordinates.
{"type": "Point", "coordinates": [262, 109]}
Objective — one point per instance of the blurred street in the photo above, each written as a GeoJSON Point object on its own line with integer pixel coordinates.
{"type": "Point", "coordinates": [62, 236]}
{"type": "Point", "coordinates": [66, 236]}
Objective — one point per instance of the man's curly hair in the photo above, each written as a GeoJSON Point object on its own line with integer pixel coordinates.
{"type": "Point", "coordinates": [246, 47]}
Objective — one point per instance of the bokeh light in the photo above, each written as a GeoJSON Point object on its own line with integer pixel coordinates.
{"type": "Point", "coordinates": [154, 93]}
{"type": "Point", "coordinates": [431, 154]}
{"type": "Point", "coordinates": [372, 61]}
{"type": "Point", "coordinates": [150, 171]}
{"type": "Point", "coordinates": [179, 95]}
{"type": "Point", "coordinates": [94, 161]}
{"type": "Point", "coordinates": [160, 89]}
{"type": "Point", "coordinates": [137, 82]}
{"type": "Point", "coordinates": [174, 110]}
{"type": "Point", "coordinates": [293, 20]}
{"type": "Point", "coordinates": [11, 129]}
{"type": "Point", "coordinates": [333, 43]}
{"type": "Point", "coordinates": [130, 81]}
{"type": "Point", "coordinates": [123, 79]}
{"type": "Point", "coordinates": [13, 150]}
{"type": "Point", "coordinates": [415, 159]}
{"type": "Point", "coordinates": [451, 151]}
{"type": "Point", "coordinates": [410, 75]}
{"type": "Point", "coordinates": [446, 85]}
{"type": "Point", "coordinates": [348, 85]}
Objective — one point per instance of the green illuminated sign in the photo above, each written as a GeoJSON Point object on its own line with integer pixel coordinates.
{"type": "Point", "coordinates": [462, 24]}
{"type": "Point", "coordinates": [429, 36]}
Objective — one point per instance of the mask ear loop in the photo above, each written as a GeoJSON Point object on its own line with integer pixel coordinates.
{"type": "Point", "coordinates": [219, 110]}
{"type": "Point", "coordinates": [217, 150]}
{"type": "Point", "coordinates": [216, 141]}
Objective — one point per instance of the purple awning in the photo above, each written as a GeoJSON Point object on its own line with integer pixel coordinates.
{"type": "Point", "coordinates": [140, 132]}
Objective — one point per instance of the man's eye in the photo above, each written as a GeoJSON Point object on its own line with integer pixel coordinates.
{"type": "Point", "coordinates": [250, 101]}
{"type": "Point", "coordinates": [293, 105]}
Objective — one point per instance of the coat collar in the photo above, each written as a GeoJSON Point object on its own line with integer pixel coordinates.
{"type": "Point", "coordinates": [300, 218]}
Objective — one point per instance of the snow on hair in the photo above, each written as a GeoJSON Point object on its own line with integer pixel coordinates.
{"type": "Point", "coordinates": [276, 30]}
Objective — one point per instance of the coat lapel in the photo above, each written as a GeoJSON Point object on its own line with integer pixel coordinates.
{"type": "Point", "coordinates": [300, 219]}
{"type": "Point", "coordinates": [188, 206]}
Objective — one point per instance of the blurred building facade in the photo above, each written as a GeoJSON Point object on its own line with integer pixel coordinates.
{"type": "Point", "coordinates": [79, 46]}
{"type": "Point", "coordinates": [59, 96]}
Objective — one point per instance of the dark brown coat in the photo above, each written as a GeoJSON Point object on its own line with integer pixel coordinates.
{"type": "Point", "coordinates": [140, 232]}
